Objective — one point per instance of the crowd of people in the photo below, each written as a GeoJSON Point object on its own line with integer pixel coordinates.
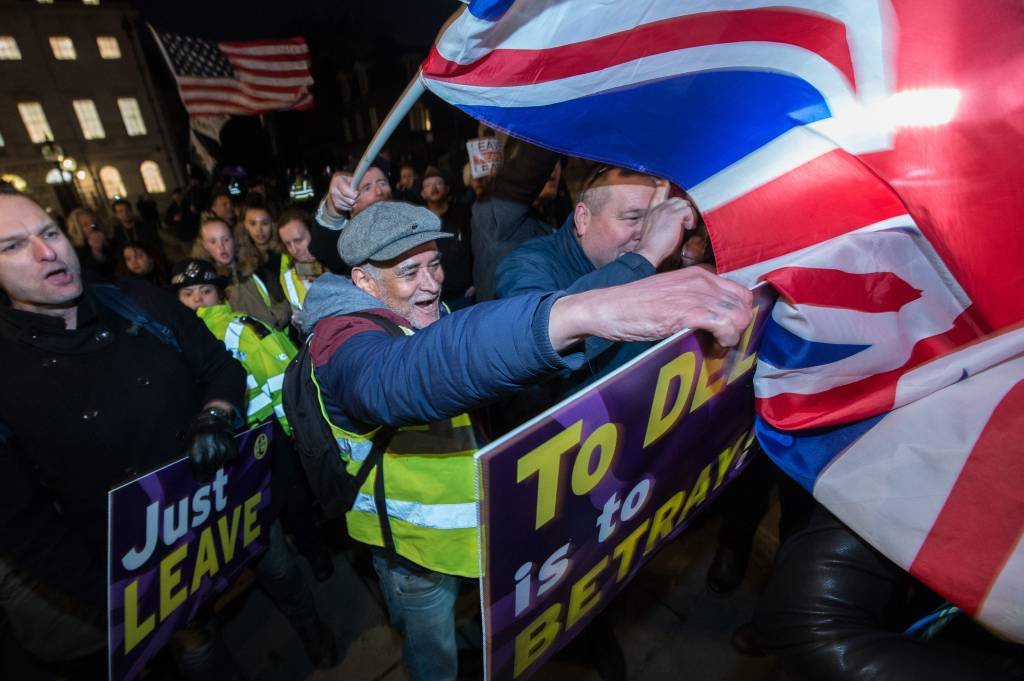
{"type": "Point", "coordinates": [525, 296]}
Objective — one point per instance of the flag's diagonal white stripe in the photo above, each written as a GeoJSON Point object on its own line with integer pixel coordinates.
{"type": "Point", "coordinates": [1004, 607]}
{"type": "Point", "coordinates": [891, 484]}
{"type": "Point", "coordinates": [775, 57]}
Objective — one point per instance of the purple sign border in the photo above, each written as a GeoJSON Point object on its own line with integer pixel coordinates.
{"type": "Point", "coordinates": [249, 474]}
{"type": "Point", "coordinates": [718, 429]}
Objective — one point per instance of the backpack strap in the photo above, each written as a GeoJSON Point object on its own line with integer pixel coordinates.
{"type": "Point", "coordinates": [120, 303]}
{"type": "Point", "coordinates": [381, 439]}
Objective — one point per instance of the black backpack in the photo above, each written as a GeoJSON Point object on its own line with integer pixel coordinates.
{"type": "Point", "coordinates": [334, 487]}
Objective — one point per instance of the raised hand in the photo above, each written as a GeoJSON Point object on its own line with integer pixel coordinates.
{"type": "Point", "coordinates": [665, 223]}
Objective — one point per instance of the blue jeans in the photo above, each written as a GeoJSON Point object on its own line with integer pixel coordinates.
{"type": "Point", "coordinates": [421, 605]}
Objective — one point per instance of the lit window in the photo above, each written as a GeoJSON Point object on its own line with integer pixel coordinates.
{"type": "Point", "coordinates": [109, 49]}
{"type": "Point", "coordinates": [87, 188]}
{"type": "Point", "coordinates": [113, 187]}
{"type": "Point", "coordinates": [152, 178]}
{"type": "Point", "coordinates": [132, 116]}
{"type": "Point", "coordinates": [419, 118]}
{"type": "Point", "coordinates": [62, 47]}
{"type": "Point", "coordinates": [9, 48]}
{"type": "Point", "coordinates": [2, 143]}
{"type": "Point", "coordinates": [89, 119]}
{"type": "Point", "coordinates": [45, 2]}
{"type": "Point", "coordinates": [90, 2]}
{"type": "Point", "coordinates": [35, 122]}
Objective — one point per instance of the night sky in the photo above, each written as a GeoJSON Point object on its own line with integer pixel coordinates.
{"type": "Point", "coordinates": [337, 27]}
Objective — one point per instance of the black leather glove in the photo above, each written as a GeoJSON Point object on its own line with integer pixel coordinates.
{"type": "Point", "coordinates": [210, 440]}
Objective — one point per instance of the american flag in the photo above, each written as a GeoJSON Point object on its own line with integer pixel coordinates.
{"type": "Point", "coordinates": [241, 77]}
{"type": "Point", "coordinates": [862, 155]}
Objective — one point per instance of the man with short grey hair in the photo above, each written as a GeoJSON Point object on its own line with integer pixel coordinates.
{"type": "Point", "coordinates": [396, 376]}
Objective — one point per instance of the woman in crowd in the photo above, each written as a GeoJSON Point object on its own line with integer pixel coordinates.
{"type": "Point", "coordinates": [137, 260]}
{"type": "Point", "coordinates": [258, 228]}
{"type": "Point", "coordinates": [92, 243]}
{"type": "Point", "coordinates": [238, 261]}
{"type": "Point", "coordinates": [264, 353]}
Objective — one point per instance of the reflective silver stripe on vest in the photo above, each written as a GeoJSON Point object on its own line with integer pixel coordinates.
{"type": "Point", "coordinates": [291, 289]}
{"type": "Point", "coordinates": [275, 383]}
{"type": "Point", "coordinates": [250, 382]}
{"type": "Point", "coordinates": [357, 450]}
{"type": "Point", "coordinates": [264, 293]}
{"type": "Point", "coordinates": [433, 516]}
{"type": "Point", "coordinates": [233, 336]}
{"type": "Point", "coordinates": [258, 403]}
{"type": "Point", "coordinates": [279, 410]}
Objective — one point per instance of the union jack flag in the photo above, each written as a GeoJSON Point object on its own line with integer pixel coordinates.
{"type": "Point", "coordinates": [861, 155]}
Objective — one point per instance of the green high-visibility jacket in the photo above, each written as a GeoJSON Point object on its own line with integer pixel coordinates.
{"type": "Point", "coordinates": [262, 350]}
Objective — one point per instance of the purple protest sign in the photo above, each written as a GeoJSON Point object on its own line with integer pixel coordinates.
{"type": "Point", "coordinates": [175, 543]}
{"type": "Point", "coordinates": [576, 501]}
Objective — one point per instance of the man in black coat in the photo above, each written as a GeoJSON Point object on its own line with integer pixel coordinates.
{"type": "Point", "coordinates": [90, 398]}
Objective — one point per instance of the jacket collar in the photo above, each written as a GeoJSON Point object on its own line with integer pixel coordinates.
{"type": "Point", "coordinates": [48, 333]}
{"type": "Point", "coordinates": [569, 247]}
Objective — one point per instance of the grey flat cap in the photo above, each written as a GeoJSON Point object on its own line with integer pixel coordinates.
{"type": "Point", "coordinates": [386, 230]}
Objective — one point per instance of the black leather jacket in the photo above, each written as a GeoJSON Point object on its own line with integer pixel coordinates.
{"type": "Point", "coordinates": [835, 609]}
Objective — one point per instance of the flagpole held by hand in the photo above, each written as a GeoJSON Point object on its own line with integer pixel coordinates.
{"type": "Point", "coordinates": [412, 93]}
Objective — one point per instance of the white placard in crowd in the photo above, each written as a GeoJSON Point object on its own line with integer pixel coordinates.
{"type": "Point", "coordinates": [485, 156]}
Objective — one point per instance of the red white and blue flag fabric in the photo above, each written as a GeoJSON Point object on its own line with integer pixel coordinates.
{"type": "Point", "coordinates": [244, 77]}
{"type": "Point", "coordinates": [862, 156]}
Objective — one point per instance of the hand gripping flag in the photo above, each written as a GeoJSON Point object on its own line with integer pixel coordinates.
{"type": "Point", "coordinates": [862, 155]}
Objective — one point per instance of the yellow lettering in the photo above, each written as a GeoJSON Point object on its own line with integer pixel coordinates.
{"type": "Point", "coordinates": [679, 371]}
{"type": "Point", "coordinates": [664, 520]}
{"type": "Point", "coordinates": [532, 641]}
{"type": "Point", "coordinates": [134, 631]}
{"type": "Point", "coordinates": [699, 492]}
{"type": "Point", "coordinates": [605, 439]}
{"type": "Point", "coordinates": [707, 388]}
{"type": "Point", "coordinates": [170, 577]}
{"type": "Point", "coordinates": [584, 595]}
{"type": "Point", "coordinates": [251, 529]}
{"type": "Point", "coordinates": [745, 364]}
{"type": "Point", "coordinates": [228, 532]}
{"type": "Point", "coordinates": [545, 462]}
{"type": "Point", "coordinates": [626, 550]}
{"type": "Point", "coordinates": [206, 558]}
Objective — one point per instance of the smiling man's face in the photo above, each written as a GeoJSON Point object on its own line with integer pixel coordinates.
{"type": "Point", "coordinates": [39, 269]}
{"type": "Point", "coordinates": [411, 286]}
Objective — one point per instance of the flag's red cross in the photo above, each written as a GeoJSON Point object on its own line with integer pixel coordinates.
{"type": "Point", "coordinates": [982, 520]}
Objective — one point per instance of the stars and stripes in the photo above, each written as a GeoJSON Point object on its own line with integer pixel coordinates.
{"type": "Point", "coordinates": [240, 77]}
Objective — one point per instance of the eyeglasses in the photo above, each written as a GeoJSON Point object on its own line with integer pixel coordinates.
{"type": "Point", "coordinates": [595, 175]}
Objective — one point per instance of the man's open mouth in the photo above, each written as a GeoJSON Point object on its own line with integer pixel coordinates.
{"type": "Point", "coordinates": [59, 276]}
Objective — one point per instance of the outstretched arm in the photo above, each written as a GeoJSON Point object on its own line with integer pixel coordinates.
{"type": "Point", "coordinates": [482, 352]}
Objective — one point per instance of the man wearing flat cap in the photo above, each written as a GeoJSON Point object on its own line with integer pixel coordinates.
{"type": "Point", "coordinates": [396, 375]}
